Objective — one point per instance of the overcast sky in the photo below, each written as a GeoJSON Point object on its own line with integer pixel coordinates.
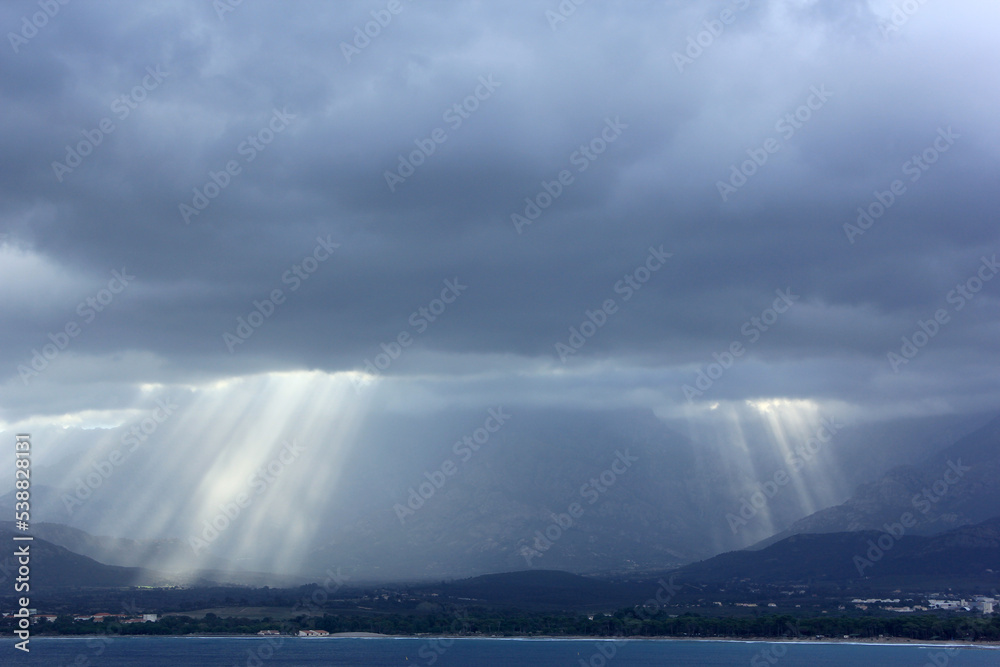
{"type": "Point", "coordinates": [175, 162]}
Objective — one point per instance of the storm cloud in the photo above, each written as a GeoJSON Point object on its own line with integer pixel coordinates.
{"type": "Point", "coordinates": [463, 203]}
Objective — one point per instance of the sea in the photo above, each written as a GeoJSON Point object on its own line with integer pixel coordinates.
{"type": "Point", "coordinates": [260, 651]}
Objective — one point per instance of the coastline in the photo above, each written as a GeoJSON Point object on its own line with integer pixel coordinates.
{"type": "Point", "coordinates": [885, 641]}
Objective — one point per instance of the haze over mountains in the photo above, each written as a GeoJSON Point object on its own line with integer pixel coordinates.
{"type": "Point", "coordinates": [956, 486]}
{"type": "Point", "coordinates": [664, 500]}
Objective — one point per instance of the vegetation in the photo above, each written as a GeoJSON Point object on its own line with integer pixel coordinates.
{"type": "Point", "coordinates": [624, 623]}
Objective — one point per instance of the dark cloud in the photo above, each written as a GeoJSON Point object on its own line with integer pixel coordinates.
{"type": "Point", "coordinates": [323, 176]}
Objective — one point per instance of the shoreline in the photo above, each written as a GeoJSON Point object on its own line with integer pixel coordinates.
{"type": "Point", "coordinates": [886, 641]}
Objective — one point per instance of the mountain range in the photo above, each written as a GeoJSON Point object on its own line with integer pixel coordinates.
{"type": "Point", "coordinates": [643, 499]}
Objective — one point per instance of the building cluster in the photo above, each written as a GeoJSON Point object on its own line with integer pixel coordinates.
{"type": "Point", "coordinates": [978, 603]}
{"type": "Point", "coordinates": [986, 605]}
{"type": "Point", "coordinates": [96, 618]}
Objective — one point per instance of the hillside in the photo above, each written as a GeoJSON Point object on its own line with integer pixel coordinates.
{"type": "Point", "coordinates": [967, 556]}
{"type": "Point", "coordinates": [960, 485]}
{"type": "Point", "coordinates": [53, 566]}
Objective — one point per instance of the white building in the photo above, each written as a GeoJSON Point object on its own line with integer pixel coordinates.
{"type": "Point", "coordinates": [950, 605]}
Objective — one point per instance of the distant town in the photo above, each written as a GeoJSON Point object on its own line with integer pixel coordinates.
{"type": "Point", "coordinates": [799, 612]}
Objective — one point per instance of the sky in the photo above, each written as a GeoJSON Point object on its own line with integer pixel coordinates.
{"type": "Point", "coordinates": [368, 208]}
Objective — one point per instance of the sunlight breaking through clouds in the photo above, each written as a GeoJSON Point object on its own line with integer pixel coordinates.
{"type": "Point", "coordinates": [754, 439]}
{"type": "Point", "coordinates": [248, 462]}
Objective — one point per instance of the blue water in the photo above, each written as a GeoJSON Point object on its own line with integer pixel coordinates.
{"type": "Point", "coordinates": [257, 652]}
